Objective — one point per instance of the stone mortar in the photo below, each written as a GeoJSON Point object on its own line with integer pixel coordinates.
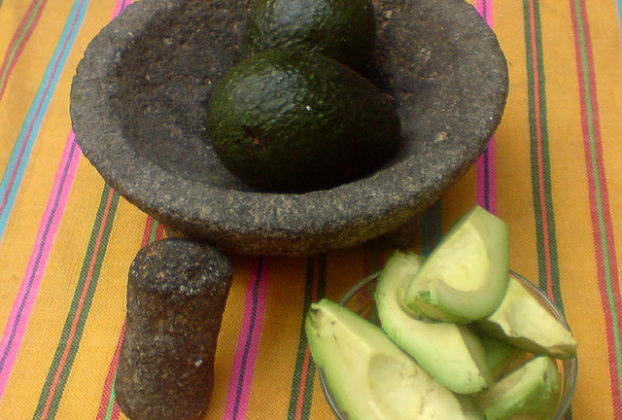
{"type": "Point", "coordinates": [138, 109]}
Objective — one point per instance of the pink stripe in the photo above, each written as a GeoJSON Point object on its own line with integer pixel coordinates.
{"type": "Point", "coordinates": [484, 7]}
{"type": "Point", "coordinates": [485, 165]}
{"type": "Point", "coordinates": [118, 8]}
{"type": "Point", "coordinates": [22, 307]}
{"type": "Point", "coordinates": [15, 48]}
{"type": "Point", "coordinates": [248, 343]}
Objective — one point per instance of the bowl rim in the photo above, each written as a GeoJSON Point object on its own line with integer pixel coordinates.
{"type": "Point", "coordinates": [569, 366]}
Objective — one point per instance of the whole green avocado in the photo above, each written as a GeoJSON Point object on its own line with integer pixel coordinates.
{"type": "Point", "coordinates": [341, 29]}
{"type": "Point", "coordinates": [294, 122]}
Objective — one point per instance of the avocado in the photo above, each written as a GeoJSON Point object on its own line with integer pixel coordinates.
{"type": "Point", "coordinates": [532, 389]}
{"type": "Point", "coordinates": [501, 357]}
{"type": "Point", "coordinates": [369, 376]}
{"type": "Point", "coordinates": [451, 353]}
{"type": "Point", "coordinates": [466, 275]}
{"type": "Point", "coordinates": [341, 29]}
{"type": "Point", "coordinates": [523, 322]}
{"type": "Point", "coordinates": [294, 122]}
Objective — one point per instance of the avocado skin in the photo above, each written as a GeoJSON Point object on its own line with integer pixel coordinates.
{"type": "Point", "coordinates": [523, 322]}
{"type": "Point", "coordinates": [294, 122]}
{"type": "Point", "coordinates": [530, 391]}
{"type": "Point", "coordinates": [451, 353]}
{"type": "Point", "coordinates": [475, 248]}
{"type": "Point", "coordinates": [341, 29]}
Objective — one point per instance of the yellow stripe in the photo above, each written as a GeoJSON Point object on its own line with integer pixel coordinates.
{"type": "Point", "coordinates": [280, 333]}
{"type": "Point", "coordinates": [106, 316]}
{"type": "Point", "coordinates": [54, 297]}
{"type": "Point", "coordinates": [29, 69]}
{"type": "Point", "coordinates": [32, 198]}
{"type": "Point", "coordinates": [228, 338]}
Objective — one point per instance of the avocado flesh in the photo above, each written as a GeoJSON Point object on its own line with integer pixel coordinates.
{"type": "Point", "coordinates": [341, 29]}
{"type": "Point", "coordinates": [451, 353]}
{"type": "Point", "coordinates": [532, 389]}
{"type": "Point", "coordinates": [523, 322]}
{"type": "Point", "coordinates": [466, 275]}
{"type": "Point", "coordinates": [369, 376]}
{"type": "Point", "coordinates": [294, 122]}
{"type": "Point", "coordinates": [501, 357]}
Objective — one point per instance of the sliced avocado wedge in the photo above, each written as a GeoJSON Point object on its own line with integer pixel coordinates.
{"type": "Point", "coordinates": [531, 389]}
{"type": "Point", "coordinates": [523, 322]}
{"type": "Point", "coordinates": [465, 277]}
{"type": "Point", "coordinates": [451, 353]}
{"type": "Point", "coordinates": [369, 376]}
{"type": "Point", "coordinates": [501, 356]}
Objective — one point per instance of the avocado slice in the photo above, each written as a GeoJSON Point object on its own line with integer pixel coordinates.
{"type": "Point", "coordinates": [369, 376]}
{"type": "Point", "coordinates": [466, 275]}
{"type": "Point", "coordinates": [501, 357]}
{"type": "Point", "coordinates": [532, 389]}
{"type": "Point", "coordinates": [523, 322]}
{"type": "Point", "coordinates": [294, 122]}
{"type": "Point", "coordinates": [451, 353]}
{"type": "Point", "coordinates": [341, 29]}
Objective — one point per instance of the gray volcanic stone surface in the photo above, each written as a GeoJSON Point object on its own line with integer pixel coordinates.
{"type": "Point", "coordinates": [176, 295]}
{"type": "Point", "coordinates": [138, 110]}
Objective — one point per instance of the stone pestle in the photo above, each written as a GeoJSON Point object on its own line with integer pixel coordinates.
{"type": "Point", "coordinates": [176, 295]}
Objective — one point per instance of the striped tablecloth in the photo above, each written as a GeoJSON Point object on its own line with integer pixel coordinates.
{"type": "Point", "coordinates": [553, 171]}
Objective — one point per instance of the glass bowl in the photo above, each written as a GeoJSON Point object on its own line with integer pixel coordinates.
{"type": "Point", "coordinates": [360, 300]}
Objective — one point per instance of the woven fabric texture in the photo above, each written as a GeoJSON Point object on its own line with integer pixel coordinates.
{"type": "Point", "coordinates": [553, 171]}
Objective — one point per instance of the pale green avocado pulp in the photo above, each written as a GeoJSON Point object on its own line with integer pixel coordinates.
{"type": "Point", "coordinates": [465, 277]}
{"type": "Point", "coordinates": [452, 354]}
{"type": "Point", "coordinates": [369, 376]}
{"type": "Point", "coordinates": [523, 322]}
{"type": "Point", "coordinates": [532, 389]}
{"type": "Point", "coordinates": [501, 356]}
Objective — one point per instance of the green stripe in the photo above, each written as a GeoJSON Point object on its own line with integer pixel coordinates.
{"type": "Point", "coordinates": [374, 257]}
{"type": "Point", "coordinates": [297, 384]}
{"type": "Point", "coordinates": [431, 228]}
{"type": "Point", "coordinates": [614, 316]}
{"type": "Point", "coordinates": [18, 41]}
{"type": "Point", "coordinates": [593, 151]}
{"type": "Point", "coordinates": [110, 407]}
{"type": "Point", "coordinates": [93, 251]}
{"type": "Point", "coordinates": [111, 397]}
{"type": "Point", "coordinates": [535, 116]}
{"type": "Point", "coordinates": [154, 232]}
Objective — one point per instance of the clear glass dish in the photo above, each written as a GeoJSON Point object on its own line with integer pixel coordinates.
{"type": "Point", "coordinates": [359, 299]}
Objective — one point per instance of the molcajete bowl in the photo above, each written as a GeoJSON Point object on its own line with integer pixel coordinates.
{"type": "Point", "coordinates": [138, 104]}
